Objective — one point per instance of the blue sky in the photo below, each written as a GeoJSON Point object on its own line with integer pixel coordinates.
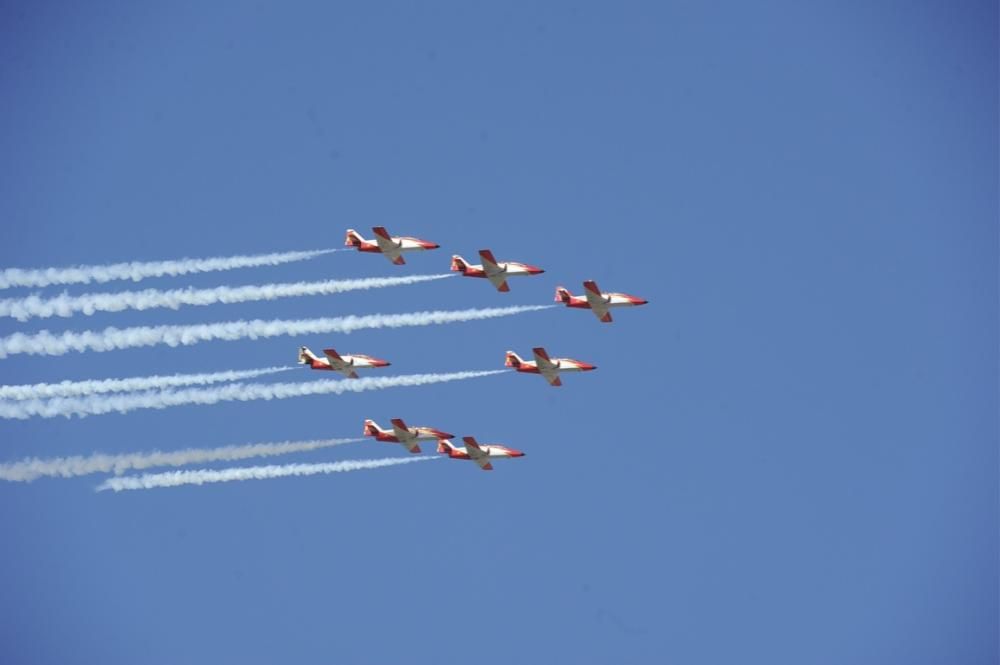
{"type": "Point", "coordinates": [789, 456]}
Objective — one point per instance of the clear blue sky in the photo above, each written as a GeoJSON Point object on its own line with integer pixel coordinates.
{"type": "Point", "coordinates": [789, 456]}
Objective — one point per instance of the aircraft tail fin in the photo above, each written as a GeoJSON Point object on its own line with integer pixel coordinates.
{"type": "Point", "coordinates": [353, 238]}
{"type": "Point", "coordinates": [458, 264]}
{"type": "Point", "coordinates": [444, 446]}
{"type": "Point", "coordinates": [512, 360]}
{"type": "Point", "coordinates": [371, 428]}
{"type": "Point", "coordinates": [306, 357]}
{"type": "Point", "coordinates": [563, 294]}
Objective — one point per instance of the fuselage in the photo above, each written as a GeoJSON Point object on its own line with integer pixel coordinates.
{"type": "Point", "coordinates": [610, 300]}
{"type": "Point", "coordinates": [351, 360]}
{"type": "Point", "coordinates": [508, 268]}
{"type": "Point", "coordinates": [403, 244]}
{"type": "Point", "coordinates": [491, 449]}
{"type": "Point", "coordinates": [415, 434]}
{"type": "Point", "coordinates": [561, 365]}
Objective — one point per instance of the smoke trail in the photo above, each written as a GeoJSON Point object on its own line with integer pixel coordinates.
{"type": "Point", "coordinates": [110, 339]}
{"type": "Point", "coordinates": [242, 392]}
{"type": "Point", "coordinates": [68, 467]}
{"type": "Point", "coordinates": [23, 309]}
{"type": "Point", "coordinates": [202, 476]}
{"type": "Point", "coordinates": [75, 388]}
{"type": "Point", "coordinates": [137, 270]}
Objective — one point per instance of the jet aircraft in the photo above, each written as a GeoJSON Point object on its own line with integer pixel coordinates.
{"type": "Point", "coordinates": [478, 453]}
{"type": "Point", "coordinates": [345, 364]}
{"type": "Point", "coordinates": [495, 271]}
{"type": "Point", "coordinates": [550, 368]}
{"type": "Point", "coordinates": [391, 246]}
{"type": "Point", "coordinates": [593, 299]}
{"type": "Point", "coordinates": [407, 436]}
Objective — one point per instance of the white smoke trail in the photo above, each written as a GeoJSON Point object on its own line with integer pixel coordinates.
{"type": "Point", "coordinates": [110, 339]}
{"type": "Point", "coordinates": [203, 476]}
{"type": "Point", "coordinates": [138, 270]}
{"type": "Point", "coordinates": [155, 382]}
{"type": "Point", "coordinates": [68, 467]}
{"type": "Point", "coordinates": [242, 392]}
{"type": "Point", "coordinates": [66, 305]}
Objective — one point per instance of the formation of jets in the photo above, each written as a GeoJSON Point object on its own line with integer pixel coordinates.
{"type": "Point", "coordinates": [408, 437]}
{"type": "Point", "coordinates": [497, 272]}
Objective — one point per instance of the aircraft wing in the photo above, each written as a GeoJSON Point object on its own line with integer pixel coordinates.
{"type": "Point", "coordinates": [546, 367]}
{"type": "Point", "coordinates": [598, 303]}
{"type": "Point", "coordinates": [401, 431]}
{"type": "Point", "coordinates": [337, 363]}
{"type": "Point", "coordinates": [387, 246]}
{"type": "Point", "coordinates": [477, 454]}
{"type": "Point", "coordinates": [542, 359]}
{"type": "Point", "coordinates": [494, 272]}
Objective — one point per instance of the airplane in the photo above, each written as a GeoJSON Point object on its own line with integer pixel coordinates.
{"type": "Point", "coordinates": [408, 436]}
{"type": "Point", "coordinates": [383, 243]}
{"type": "Point", "coordinates": [492, 269]}
{"type": "Point", "coordinates": [480, 454]}
{"type": "Point", "coordinates": [547, 367]}
{"type": "Point", "coordinates": [345, 364]}
{"type": "Point", "coordinates": [596, 301]}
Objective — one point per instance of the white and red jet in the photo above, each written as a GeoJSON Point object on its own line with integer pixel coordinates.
{"type": "Point", "coordinates": [596, 301]}
{"type": "Point", "coordinates": [547, 367]}
{"type": "Point", "coordinates": [495, 271]}
{"type": "Point", "coordinates": [407, 436]}
{"type": "Point", "coordinates": [391, 246]}
{"type": "Point", "coordinates": [480, 454]}
{"type": "Point", "coordinates": [345, 364]}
